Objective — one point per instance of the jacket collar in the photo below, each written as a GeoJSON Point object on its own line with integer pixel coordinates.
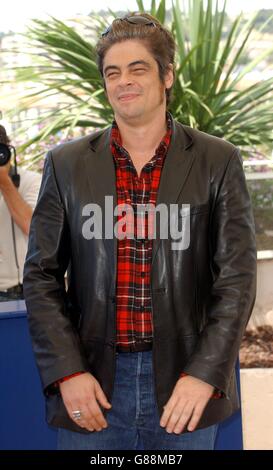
{"type": "Point", "coordinates": [99, 140]}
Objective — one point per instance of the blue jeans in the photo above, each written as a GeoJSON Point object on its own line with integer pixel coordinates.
{"type": "Point", "coordinates": [133, 421]}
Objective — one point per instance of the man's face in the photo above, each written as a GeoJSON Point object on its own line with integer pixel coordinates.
{"type": "Point", "coordinates": [132, 82]}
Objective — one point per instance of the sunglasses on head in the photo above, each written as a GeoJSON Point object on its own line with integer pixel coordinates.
{"type": "Point", "coordinates": [131, 20]}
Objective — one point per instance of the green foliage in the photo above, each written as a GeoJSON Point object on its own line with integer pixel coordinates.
{"type": "Point", "coordinates": [264, 19]}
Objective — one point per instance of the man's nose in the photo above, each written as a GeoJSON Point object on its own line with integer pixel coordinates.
{"type": "Point", "coordinates": [125, 78]}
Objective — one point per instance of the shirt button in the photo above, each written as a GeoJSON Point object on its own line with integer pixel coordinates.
{"type": "Point", "coordinates": [142, 308]}
{"type": "Point", "coordinates": [142, 273]}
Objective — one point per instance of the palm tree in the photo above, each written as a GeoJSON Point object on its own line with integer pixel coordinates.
{"type": "Point", "coordinates": [209, 92]}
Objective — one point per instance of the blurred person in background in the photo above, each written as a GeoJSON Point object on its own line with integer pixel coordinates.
{"type": "Point", "coordinates": [141, 348]}
{"type": "Point", "coordinates": [18, 195]}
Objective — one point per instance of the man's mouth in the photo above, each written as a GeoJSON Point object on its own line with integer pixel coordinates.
{"type": "Point", "coordinates": [128, 97]}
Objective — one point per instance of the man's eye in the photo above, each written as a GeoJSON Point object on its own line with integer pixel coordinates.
{"type": "Point", "coordinates": [139, 70]}
{"type": "Point", "coordinates": [111, 74]}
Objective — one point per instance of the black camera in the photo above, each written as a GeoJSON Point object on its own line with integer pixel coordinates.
{"type": "Point", "coordinates": [5, 154]}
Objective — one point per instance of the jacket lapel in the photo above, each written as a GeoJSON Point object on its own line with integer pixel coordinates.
{"type": "Point", "coordinates": [100, 171]}
{"type": "Point", "coordinates": [175, 172]}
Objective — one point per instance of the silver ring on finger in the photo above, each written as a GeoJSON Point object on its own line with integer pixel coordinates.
{"type": "Point", "coordinates": [77, 415]}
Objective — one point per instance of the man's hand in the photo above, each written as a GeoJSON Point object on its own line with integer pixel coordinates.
{"type": "Point", "coordinates": [187, 402]}
{"type": "Point", "coordinates": [84, 393]}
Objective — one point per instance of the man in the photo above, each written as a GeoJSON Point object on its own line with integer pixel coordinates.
{"type": "Point", "coordinates": [140, 350]}
{"type": "Point", "coordinates": [16, 206]}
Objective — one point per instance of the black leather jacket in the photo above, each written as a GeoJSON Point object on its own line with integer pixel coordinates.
{"type": "Point", "coordinates": [202, 297]}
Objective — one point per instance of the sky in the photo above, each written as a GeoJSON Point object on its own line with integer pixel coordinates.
{"type": "Point", "coordinates": [14, 14]}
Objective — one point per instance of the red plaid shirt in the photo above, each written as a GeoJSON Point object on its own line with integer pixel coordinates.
{"type": "Point", "coordinates": [133, 295]}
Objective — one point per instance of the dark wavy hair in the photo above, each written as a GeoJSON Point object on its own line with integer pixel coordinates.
{"type": "Point", "coordinates": [3, 136]}
{"type": "Point", "coordinates": [158, 40]}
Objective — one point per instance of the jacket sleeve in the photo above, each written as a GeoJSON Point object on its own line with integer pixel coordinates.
{"type": "Point", "coordinates": [55, 342]}
{"type": "Point", "coordinates": [233, 268]}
